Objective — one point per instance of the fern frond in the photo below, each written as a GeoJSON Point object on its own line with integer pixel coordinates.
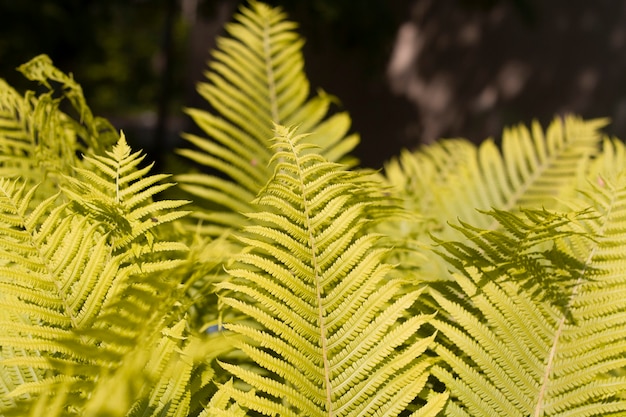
{"type": "Point", "coordinates": [38, 141]}
{"type": "Point", "coordinates": [455, 180]}
{"type": "Point", "coordinates": [329, 327]}
{"type": "Point", "coordinates": [117, 194]}
{"type": "Point", "coordinates": [94, 132]}
{"type": "Point", "coordinates": [255, 79]}
{"type": "Point", "coordinates": [44, 302]}
{"type": "Point", "coordinates": [533, 170]}
{"type": "Point", "coordinates": [510, 350]}
{"type": "Point", "coordinates": [523, 249]}
{"type": "Point", "coordinates": [88, 295]}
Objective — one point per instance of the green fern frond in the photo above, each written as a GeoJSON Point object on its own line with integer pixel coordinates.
{"type": "Point", "coordinates": [455, 180]}
{"type": "Point", "coordinates": [86, 301]}
{"type": "Point", "coordinates": [510, 350]}
{"type": "Point", "coordinates": [522, 249]}
{"type": "Point", "coordinates": [255, 79]}
{"type": "Point", "coordinates": [609, 163]}
{"type": "Point", "coordinates": [534, 169]}
{"type": "Point", "coordinates": [38, 141]}
{"type": "Point", "coordinates": [329, 329]}
{"type": "Point", "coordinates": [45, 299]}
{"type": "Point", "coordinates": [220, 404]}
{"type": "Point", "coordinates": [94, 132]}
{"type": "Point", "coordinates": [27, 126]}
{"type": "Point", "coordinates": [118, 194]}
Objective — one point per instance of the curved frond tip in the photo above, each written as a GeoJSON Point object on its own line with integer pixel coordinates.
{"type": "Point", "coordinates": [255, 79]}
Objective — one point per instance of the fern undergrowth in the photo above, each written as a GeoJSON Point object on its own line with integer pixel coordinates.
{"type": "Point", "coordinates": [462, 280]}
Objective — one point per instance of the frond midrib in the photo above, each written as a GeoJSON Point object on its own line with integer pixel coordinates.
{"type": "Point", "coordinates": [269, 71]}
{"type": "Point", "coordinates": [538, 411]}
{"type": "Point", "coordinates": [316, 277]}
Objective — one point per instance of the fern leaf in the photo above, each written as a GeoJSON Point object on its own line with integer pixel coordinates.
{"type": "Point", "coordinates": [220, 404]}
{"type": "Point", "coordinates": [526, 347]}
{"type": "Point", "coordinates": [255, 79]}
{"type": "Point", "coordinates": [533, 168]}
{"type": "Point", "coordinates": [328, 325]}
{"type": "Point", "coordinates": [86, 279]}
{"type": "Point", "coordinates": [523, 250]}
{"type": "Point", "coordinates": [455, 180]}
{"type": "Point", "coordinates": [96, 132]}
{"type": "Point", "coordinates": [38, 141]}
{"type": "Point", "coordinates": [117, 194]}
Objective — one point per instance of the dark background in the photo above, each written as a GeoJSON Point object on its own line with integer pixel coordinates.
{"type": "Point", "coordinates": [408, 71]}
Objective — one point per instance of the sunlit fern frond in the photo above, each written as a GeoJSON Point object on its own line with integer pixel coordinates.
{"type": "Point", "coordinates": [116, 192]}
{"type": "Point", "coordinates": [533, 170]}
{"type": "Point", "coordinates": [90, 132]}
{"type": "Point", "coordinates": [454, 180]}
{"type": "Point", "coordinates": [528, 348]}
{"type": "Point", "coordinates": [88, 294]}
{"type": "Point", "coordinates": [522, 249]}
{"type": "Point", "coordinates": [156, 380]}
{"type": "Point", "coordinates": [53, 279]}
{"type": "Point", "coordinates": [39, 142]}
{"type": "Point", "coordinates": [328, 327]}
{"type": "Point", "coordinates": [608, 163]}
{"type": "Point", "coordinates": [255, 79]}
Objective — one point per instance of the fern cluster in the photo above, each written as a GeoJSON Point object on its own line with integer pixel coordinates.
{"type": "Point", "coordinates": [462, 280]}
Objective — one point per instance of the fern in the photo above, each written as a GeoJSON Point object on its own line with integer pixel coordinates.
{"type": "Point", "coordinates": [547, 345]}
{"type": "Point", "coordinates": [79, 290]}
{"type": "Point", "coordinates": [523, 249]}
{"type": "Point", "coordinates": [40, 142]}
{"type": "Point", "coordinates": [328, 327]}
{"type": "Point", "coordinates": [534, 170]}
{"type": "Point", "coordinates": [298, 286]}
{"type": "Point", "coordinates": [255, 80]}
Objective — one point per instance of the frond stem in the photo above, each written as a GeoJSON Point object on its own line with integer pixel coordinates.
{"type": "Point", "coordinates": [271, 82]}
{"type": "Point", "coordinates": [318, 289]}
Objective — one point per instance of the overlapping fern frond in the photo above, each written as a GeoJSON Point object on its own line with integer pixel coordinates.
{"type": "Point", "coordinates": [83, 283]}
{"type": "Point", "coordinates": [39, 142]}
{"type": "Point", "coordinates": [455, 180]}
{"type": "Point", "coordinates": [328, 327]}
{"type": "Point", "coordinates": [522, 249]}
{"type": "Point", "coordinates": [255, 79]}
{"type": "Point", "coordinates": [552, 343]}
{"type": "Point", "coordinates": [533, 170]}
{"type": "Point", "coordinates": [114, 191]}
{"type": "Point", "coordinates": [524, 313]}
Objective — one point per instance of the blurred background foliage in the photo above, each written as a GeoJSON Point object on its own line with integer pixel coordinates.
{"type": "Point", "coordinates": [115, 48]}
{"type": "Point", "coordinates": [470, 66]}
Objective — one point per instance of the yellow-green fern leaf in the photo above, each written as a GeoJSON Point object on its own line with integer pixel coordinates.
{"type": "Point", "coordinates": [96, 133]}
{"type": "Point", "coordinates": [328, 331]}
{"type": "Point", "coordinates": [454, 180]}
{"type": "Point", "coordinates": [255, 79]}
{"type": "Point", "coordinates": [529, 348]}
{"type": "Point", "coordinates": [117, 193]}
{"type": "Point", "coordinates": [39, 142]}
{"type": "Point", "coordinates": [533, 169]}
{"type": "Point", "coordinates": [87, 303]}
